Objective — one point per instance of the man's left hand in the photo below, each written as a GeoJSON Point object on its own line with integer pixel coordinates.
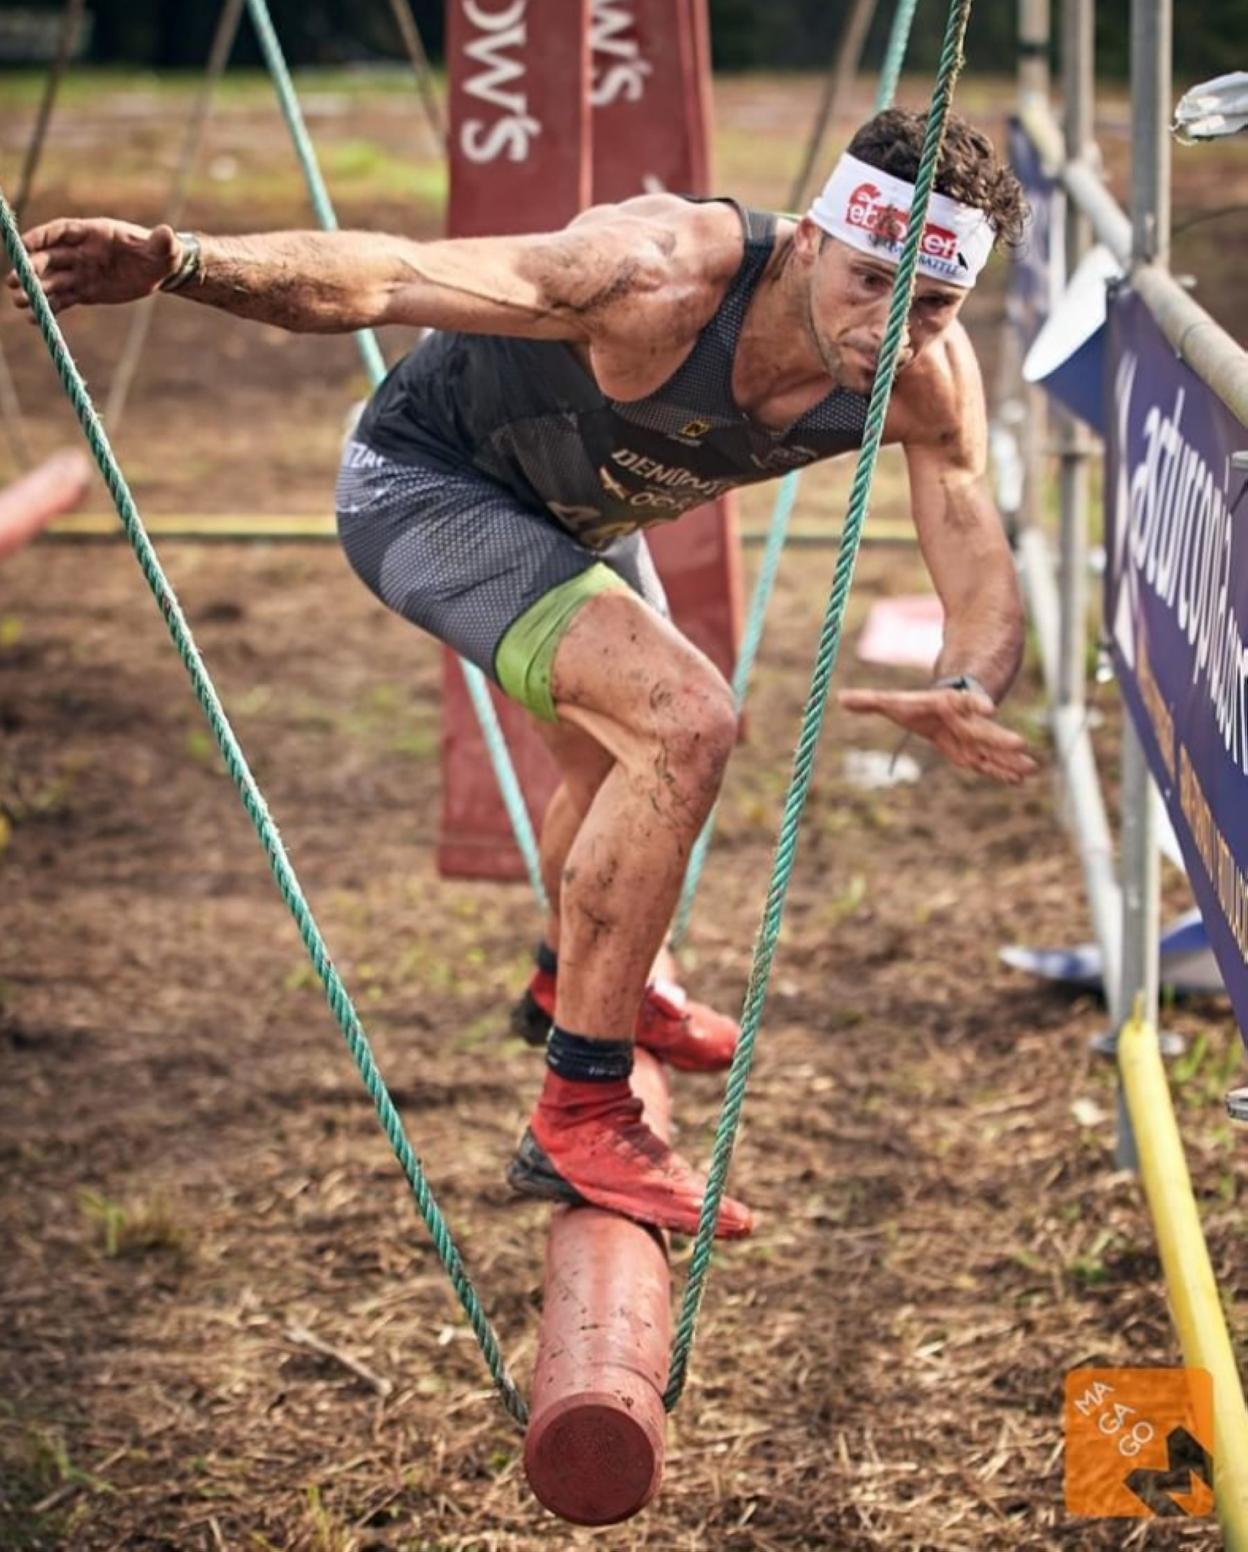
{"type": "Point", "coordinates": [961, 724]}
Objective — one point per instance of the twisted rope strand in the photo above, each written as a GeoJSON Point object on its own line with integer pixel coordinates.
{"type": "Point", "coordinates": [228, 19]}
{"type": "Point", "coordinates": [894, 54]}
{"type": "Point", "coordinates": [257, 811]}
{"type": "Point", "coordinates": [751, 639]}
{"type": "Point", "coordinates": [813, 715]}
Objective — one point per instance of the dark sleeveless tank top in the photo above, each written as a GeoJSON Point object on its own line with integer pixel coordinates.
{"type": "Point", "coordinates": [527, 414]}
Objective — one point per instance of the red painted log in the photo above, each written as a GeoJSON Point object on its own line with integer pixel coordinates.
{"type": "Point", "coordinates": [594, 1448]}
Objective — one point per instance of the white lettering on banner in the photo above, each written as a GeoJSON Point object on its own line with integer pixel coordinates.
{"type": "Point", "coordinates": [621, 75]}
{"type": "Point", "coordinates": [483, 141]}
{"type": "Point", "coordinates": [1174, 535]}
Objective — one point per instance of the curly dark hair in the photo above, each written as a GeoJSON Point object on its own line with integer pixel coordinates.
{"type": "Point", "coordinates": [969, 169]}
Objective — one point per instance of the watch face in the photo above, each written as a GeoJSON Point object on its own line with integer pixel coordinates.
{"type": "Point", "coordinates": [963, 682]}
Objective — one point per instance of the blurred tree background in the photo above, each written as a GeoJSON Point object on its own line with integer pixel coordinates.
{"type": "Point", "coordinates": [1211, 36]}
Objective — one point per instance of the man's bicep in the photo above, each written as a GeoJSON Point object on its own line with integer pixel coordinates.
{"type": "Point", "coordinates": [555, 285]}
{"type": "Point", "coordinates": [959, 529]}
{"type": "Point", "coordinates": [947, 461]}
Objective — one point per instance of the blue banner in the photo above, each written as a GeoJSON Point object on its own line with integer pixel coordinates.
{"type": "Point", "coordinates": [1176, 611]}
{"type": "Point", "coordinates": [1038, 267]}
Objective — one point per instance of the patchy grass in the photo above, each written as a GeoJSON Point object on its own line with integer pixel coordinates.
{"type": "Point", "coordinates": [45, 1498]}
{"type": "Point", "coordinates": [941, 1236]}
{"type": "Point", "coordinates": [136, 1228]}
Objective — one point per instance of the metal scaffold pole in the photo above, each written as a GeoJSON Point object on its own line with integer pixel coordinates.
{"type": "Point", "coordinates": [1151, 41]}
{"type": "Point", "coordinates": [1012, 439]}
{"type": "Point", "coordinates": [1033, 50]}
{"type": "Point", "coordinates": [1077, 88]}
{"type": "Point", "coordinates": [1033, 86]}
{"type": "Point", "coordinates": [1059, 625]}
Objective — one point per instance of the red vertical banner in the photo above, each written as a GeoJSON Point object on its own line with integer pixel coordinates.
{"type": "Point", "coordinates": [651, 96]}
{"type": "Point", "coordinates": [519, 148]}
{"type": "Point", "coordinates": [522, 75]}
{"type": "Point", "coordinates": [519, 151]}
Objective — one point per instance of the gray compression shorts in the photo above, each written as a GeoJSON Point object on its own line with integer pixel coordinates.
{"type": "Point", "coordinates": [461, 557]}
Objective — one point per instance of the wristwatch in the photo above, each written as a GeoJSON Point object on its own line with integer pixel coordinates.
{"type": "Point", "coordinates": [963, 682]}
{"type": "Point", "coordinates": [191, 265]}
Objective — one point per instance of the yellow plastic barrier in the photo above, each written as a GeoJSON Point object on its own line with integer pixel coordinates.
{"type": "Point", "coordinates": [223, 527]}
{"type": "Point", "coordinates": [1185, 1261]}
{"type": "Point", "coordinates": [233, 527]}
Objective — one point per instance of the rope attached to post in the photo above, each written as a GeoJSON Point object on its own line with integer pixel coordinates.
{"type": "Point", "coordinates": [257, 811]}
{"type": "Point", "coordinates": [405, 21]}
{"type": "Point", "coordinates": [816, 702]}
{"type": "Point", "coordinates": [756, 618]}
{"type": "Point", "coordinates": [11, 414]}
{"type": "Point", "coordinates": [71, 25]}
{"type": "Point", "coordinates": [375, 366]}
{"type": "Point", "coordinates": [141, 318]}
{"type": "Point", "coordinates": [841, 78]}
{"type": "Point", "coordinates": [894, 54]}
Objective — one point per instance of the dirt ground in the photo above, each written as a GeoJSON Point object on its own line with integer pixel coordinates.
{"type": "Point", "coordinates": [193, 1176]}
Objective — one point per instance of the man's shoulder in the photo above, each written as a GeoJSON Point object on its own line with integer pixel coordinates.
{"type": "Point", "coordinates": [673, 260]}
{"type": "Point", "coordinates": [701, 239]}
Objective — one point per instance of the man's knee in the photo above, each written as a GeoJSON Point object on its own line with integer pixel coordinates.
{"type": "Point", "coordinates": [701, 725]}
{"type": "Point", "coordinates": [692, 730]}
{"type": "Point", "coordinates": [647, 695]}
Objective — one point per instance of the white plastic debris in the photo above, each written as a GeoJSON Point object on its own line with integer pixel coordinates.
{"type": "Point", "coordinates": [903, 632]}
{"type": "Point", "coordinates": [871, 769]}
{"type": "Point", "coordinates": [1088, 1113]}
{"type": "Point", "coordinates": [1214, 108]}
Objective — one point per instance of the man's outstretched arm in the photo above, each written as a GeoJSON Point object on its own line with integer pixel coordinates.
{"type": "Point", "coordinates": [572, 285]}
{"type": "Point", "coordinates": [966, 552]}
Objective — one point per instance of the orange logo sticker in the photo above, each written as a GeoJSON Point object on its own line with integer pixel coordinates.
{"type": "Point", "coordinates": [1139, 1442]}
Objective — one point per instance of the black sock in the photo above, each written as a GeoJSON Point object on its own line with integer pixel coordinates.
{"type": "Point", "coordinates": [588, 1061]}
{"type": "Point", "coordinates": [547, 959]}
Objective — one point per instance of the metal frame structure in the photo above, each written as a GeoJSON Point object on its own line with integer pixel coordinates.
{"type": "Point", "coordinates": [1125, 911]}
{"type": "Point", "coordinates": [1124, 906]}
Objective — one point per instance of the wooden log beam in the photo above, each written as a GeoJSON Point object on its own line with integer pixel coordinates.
{"type": "Point", "coordinates": [593, 1453]}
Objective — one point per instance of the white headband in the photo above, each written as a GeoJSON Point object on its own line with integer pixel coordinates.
{"type": "Point", "coordinates": [868, 209]}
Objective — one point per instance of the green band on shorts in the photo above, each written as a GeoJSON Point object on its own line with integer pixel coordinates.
{"type": "Point", "coordinates": [526, 653]}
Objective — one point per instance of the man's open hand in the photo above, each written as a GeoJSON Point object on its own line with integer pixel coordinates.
{"type": "Point", "coordinates": [97, 261]}
{"type": "Point", "coordinates": [960, 723]}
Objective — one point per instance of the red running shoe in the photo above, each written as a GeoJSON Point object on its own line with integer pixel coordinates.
{"type": "Point", "coordinates": [687, 1034]}
{"type": "Point", "coordinates": [587, 1143]}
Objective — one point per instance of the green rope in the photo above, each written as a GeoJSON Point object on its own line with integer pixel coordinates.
{"type": "Point", "coordinates": [894, 54]}
{"type": "Point", "coordinates": [751, 639]}
{"type": "Point", "coordinates": [375, 366]}
{"type": "Point", "coordinates": [812, 717]}
{"type": "Point", "coordinates": [782, 509]}
{"type": "Point", "coordinates": [257, 811]}
{"type": "Point", "coordinates": [365, 339]}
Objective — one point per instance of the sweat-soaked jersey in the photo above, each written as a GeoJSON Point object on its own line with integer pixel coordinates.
{"type": "Point", "coordinates": [527, 414]}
